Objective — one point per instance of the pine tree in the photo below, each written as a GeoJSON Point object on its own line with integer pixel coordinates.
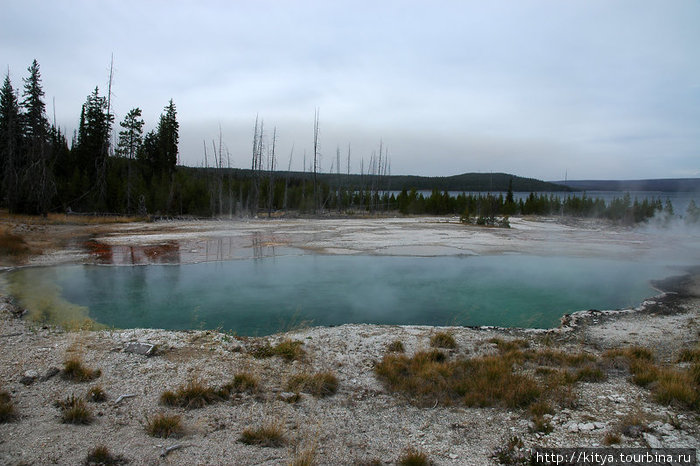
{"type": "Point", "coordinates": [10, 143]}
{"type": "Point", "coordinates": [93, 142]}
{"type": "Point", "coordinates": [131, 137]}
{"type": "Point", "coordinates": [36, 125]}
{"type": "Point", "coordinates": [130, 141]}
{"type": "Point", "coordinates": [168, 135]}
{"type": "Point", "coordinates": [37, 178]}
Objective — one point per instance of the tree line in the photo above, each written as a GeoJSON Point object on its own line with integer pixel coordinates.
{"type": "Point", "coordinates": [41, 173]}
{"type": "Point", "coordinates": [139, 174]}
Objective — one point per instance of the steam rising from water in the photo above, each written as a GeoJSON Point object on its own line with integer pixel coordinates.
{"type": "Point", "coordinates": [254, 297]}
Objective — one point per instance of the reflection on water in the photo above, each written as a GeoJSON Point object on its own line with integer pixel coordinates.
{"type": "Point", "coordinates": [167, 253]}
{"type": "Point", "coordinates": [255, 246]}
{"type": "Point", "coordinates": [267, 295]}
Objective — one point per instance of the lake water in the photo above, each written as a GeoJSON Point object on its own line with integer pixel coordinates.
{"type": "Point", "coordinates": [264, 296]}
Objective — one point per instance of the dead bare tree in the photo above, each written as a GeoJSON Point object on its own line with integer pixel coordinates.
{"type": "Point", "coordinates": [257, 166]}
{"type": "Point", "coordinates": [271, 171]}
{"type": "Point", "coordinates": [316, 156]}
{"type": "Point", "coordinates": [286, 180]}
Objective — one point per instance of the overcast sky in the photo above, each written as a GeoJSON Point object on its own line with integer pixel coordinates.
{"type": "Point", "coordinates": [594, 88]}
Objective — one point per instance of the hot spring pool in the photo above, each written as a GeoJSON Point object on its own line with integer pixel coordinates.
{"type": "Point", "coordinates": [264, 296]}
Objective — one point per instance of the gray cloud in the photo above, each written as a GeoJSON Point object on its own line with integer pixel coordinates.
{"type": "Point", "coordinates": [601, 89]}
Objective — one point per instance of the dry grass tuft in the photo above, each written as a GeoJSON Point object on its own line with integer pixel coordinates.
{"type": "Point", "coordinates": [668, 384]}
{"type": "Point", "coordinates": [100, 455]}
{"type": "Point", "coordinates": [633, 425]}
{"type": "Point", "coordinates": [542, 425]}
{"type": "Point", "coordinates": [676, 387]}
{"type": "Point", "coordinates": [413, 457]}
{"type": "Point", "coordinates": [320, 384]}
{"type": "Point", "coordinates": [242, 382]}
{"type": "Point", "coordinates": [96, 394]}
{"type": "Point", "coordinates": [195, 394]}
{"type": "Point", "coordinates": [395, 346]}
{"type": "Point", "coordinates": [305, 457]}
{"type": "Point", "coordinates": [443, 340]}
{"type": "Point", "coordinates": [267, 435]}
{"type": "Point", "coordinates": [75, 371]}
{"type": "Point", "coordinates": [540, 408]}
{"type": "Point", "coordinates": [612, 438]}
{"type": "Point", "coordinates": [74, 411]}
{"type": "Point", "coordinates": [289, 350]}
{"type": "Point", "coordinates": [483, 381]}
{"type": "Point", "coordinates": [164, 426]}
{"type": "Point", "coordinates": [689, 355]}
{"type": "Point", "coordinates": [590, 373]}
{"type": "Point", "coordinates": [505, 346]}
{"type": "Point", "coordinates": [7, 408]}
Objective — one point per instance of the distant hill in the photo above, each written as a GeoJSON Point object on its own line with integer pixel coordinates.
{"type": "Point", "coordinates": [464, 182]}
{"type": "Point", "coordinates": [475, 182]}
{"type": "Point", "coordinates": [663, 185]}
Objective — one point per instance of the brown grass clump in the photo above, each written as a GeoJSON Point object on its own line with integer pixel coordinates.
{"type": "Point", "coordinates": [668, 385]}
{"type": "Point", "coordinates": [483, 381]}
{"type": "Point", "coordinates": [75, 371]}
{"type": "Point", "coordinates": [443, 340]}
{"type": "Point", "coordinates": [96, 394]}
{"type": "Point", "coordinates": [676, 387]}
{"type": "Point", "coordinates": [74, 411]}
{"type": "Point", "coordinates": [100, 455]}
{"type": "Point", "coordinates": [395, 346]}
{"type": "Point", "coordinates": [242, 382]}
{"type": "Point", "coordinates": [289, 350]}
{"type": "Point", "coordinates": [612, 438]}
{"type": "Point", "coordinates": [689, 355]}
{"type": "Point", "coordinates": [540, 408]}
{"type": "Point", "coordinates": [320, 384]}
{"type": "Point", "coordinates": [7, 408]}
{"type": "Point", "coordinates": [590, 373]}
{"type": "Point", "coordinates": [505, 346]}
{"type": "Point", "coordinates": [305, 457]}
{"type": "Point", "coordinates": [193, 395]}
{"type": "Point", "coordinates": [413, 457]}
{"type": "Point", "coordinates": [633, 425]}
{"type": "Point", "coordinates": [164, 426]}
{"type": "Point", "coordinates": [542, 425]}
{"type": "Point", "coordinates": [267, 435]}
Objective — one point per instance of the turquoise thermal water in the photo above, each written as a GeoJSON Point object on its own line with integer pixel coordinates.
{"type": "Point", "coordinates": [264, 296]}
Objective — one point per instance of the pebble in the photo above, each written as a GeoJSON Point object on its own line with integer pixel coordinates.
{"type": "Point", "coordinates": [652, 441]}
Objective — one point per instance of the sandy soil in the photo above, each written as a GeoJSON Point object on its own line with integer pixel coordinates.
{"type": "Point", "coordinates": [363, 421]}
